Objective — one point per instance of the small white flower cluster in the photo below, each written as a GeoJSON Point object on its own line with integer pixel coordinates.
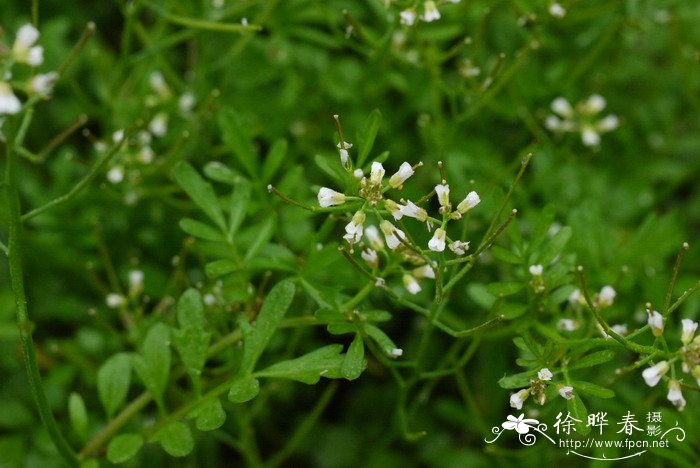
{"type": "Point", "coordinates": [582, 119]}
{"type": "Point", "coordinates": [537, 390]}
{"type": "Point", "coordinates": [371, 190]}
{"type": "Point", "coordinates": [431, 13]}
{"type": "Point", "coordinates": [24, 51]}
{"type": "Point", "coordinates": [118, 300]}
{"type": "Point", "coordinates": [690, 364]}
{"type": "Point", "coordinates": [537, 280]}
{"type": "Point", "coordinates": [603, 299]}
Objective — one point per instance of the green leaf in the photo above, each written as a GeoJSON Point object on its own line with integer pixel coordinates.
{"type": "Point", "coordinates": [505, 288]}
{"type": "Point", "coordinates": [113, 380]}
{"type": "Point", "coordinates": [199, 229]}
{"type": "Point", "coordinates": [255, 340]}
{"type": "Point", "coordinates": [220, 172]}
{"type": "Point", "coordinates": [238, 140]}
{"type": "Point", "coordinates": [90, 463]}
{"type": "Point", "coordinates": [309, 368]}
{"type": "Point", "coordinates": [123, 447]}
{"type": "Point", "coordinates": [220, 268]}
{"type": "Point", "coordinates": [505, 255]}
{"type": "Point", "coordinates": [578, 411]}
{"type": "Point", "coordinates": [332, 168]}
{"type": "Point", "coordinates": [200, 192]}
{"type": "Point", "coordinates": [354, 362]}
{"type": "Point", "coordinates": [517, 380]}
{"type": "Point", "coordinates": [511, 311]}
{"type": "Point", "coordinates": [153, 365]}
{"type": "Point", "coordinates": [240, 200]}
{"type": "Point", "coordinates": [593, 389]}
{"type": "Point", "coordinates": [190, 310]}
{"type": "Point", "coordinates": [193, 345]}
{"type": "Point", "coordinates": [274, 159]}
{"type": "Point", "coordinates": [209, 415]}
{"type": "Point", "coordinates": [593, 359]}
{"type": "Point", "coordinates": [341, 328]}
{"type": "Point", "coordinates": [176, 439]}
{"type": "Point", "coordinates": [366, 139]}
{"type": "Point", "coordinates": [77, 413]}
{"type": "Point", "coordinates": [265, 231]}
{"type": "Point", "coordinates": [554, 247]}
{"type": "Point", "coordinates": [479, 293]}
{"type": "Point", "coordinates": [243, 389]}
{"type": "Point", "coordinates": [381, 338]}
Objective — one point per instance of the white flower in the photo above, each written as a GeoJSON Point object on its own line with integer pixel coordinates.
{"type": "Point", "coordinates": [594, 104]}
{"type": "Point", "coordinates": [535, 270]}
{"type": "Point", "coordinates": [354, 229]}
{"type": "Point", "coordinates": [135, 281]}
{"type": "Point", "coordinates": [620, 329]}
{"type": "Point", "coordinates": [443, 194]}
{"type": "Point", "coordinates": [114, 300]}
{"type": "Point", "coordinates": [656, 323]}
{"type": "Point", "coordinates": [459, 247]}
{"type": "Point", "coordinates": [393, 208]}
{"type": "Point", "coordinates": [370, 257]}
{"type": "Point", "coordinates": [517, 399]}
{"type": "Point", "coordinates": [24, 50]}
{"type": "Point", "coordinates": [159, 125]}
{"type": "Point", "coordinates": [186, 103]}
{"type": "Point", "coordinates": [373, 237]}
{"type": "Point", "coordinates": [412, 210]}
{"type": "Point", "coordinates": [408, 16]}
{"type": "Point", "coordinates": [345, 144]}
{"type": "Point", "coordinates": [345, 158]}
{"type": "Point", "coordinates": [576, 297]}
{"type": "Point", "coordinates": [9, 104]}
{"type": "Point", "coordinates": [391, 234]}
{"type": "Point", "coordinates": [557, 10]}
{"type": "Point", "coordinates": [688, 332]}
{"type": "Point", "coordinates": [606, 296]}
{"type": "Point", "coordinates": [159, 85]}
{"type": "Point", "coordinates": [357, 173]}
{"type": "Point", "coordinates": [405, 171]}
{"type": "Point", "coordinates": [589, 136]}
{"type": "Point", "coordinates": [376, 174]}
{"type": "Point", "coordinates": [146, 155]}
{"type": "Point", "coordinates": [397, 352]}
{"type": "Point", "coordinates": [520, 424]}
{"type": "Point", "coordinates": [431, 12]}
{"type": "Point", "coordinates": [653, 374]}
{"type": "Point", "coordinates": [469, 202]}
{"type": "Point", "coordinates": [328, 197]}
{"type": "Point", "coordinates": [566, 392]}
{"type": "Point", "coordinates": [567, 325]}
{"type": "Point", "coordinates": [411, 284]}
{"type": "Point", "coordinates": [608, 123]}
{"type": "Point", "coordinates": [674, 394]}
{"type": "Point", "coordinates": [425, 271]}
{"type": "Point", "coordinates": [118, 136]}
{"type": "Point", "coordinates": [115, 174]}
{"type": "Point", "coordinates": [545, 374]}
{"type": "Point", "coordinates": [209, 299]}
{"type": "Point", "coordinates": [562, 107]}
{"type": "Point", "coordinates": [437, 243]}
{"type": "Point", "coordinates": [42, 83]}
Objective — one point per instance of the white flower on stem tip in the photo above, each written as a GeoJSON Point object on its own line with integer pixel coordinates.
{"type": "Point", "coordinates": [391, 234]}
{"type": "Point", "coordinates": [24, 50]}
{"type": "Point", "coordinates": [437, 243]}
{"type": "Point", "coordinates": [517, 399]}
{"type": "Point", "coordinates": [425, 271]}
{"type": "Point", "coordinates": [459, 247]}
{"type": "Point", "coordinates": [376, 174]}
{"type": "Point", "coordinates": [328, 197]}
{"type": "Point", "coordinates": [535, 270]}
{"type": "Point", "coordinates": [554, 123]}
{"type": "Point", "coordinates": [443, 194]}
{"type": "Point", "coordinates": [405, 171]}
{"type": "Point", "coordinates": [345, 158]}
{"type": "Point", "coordinates": [158, 84]}
{"type": "Point", "coordinates": [186, 103]}
{"type": "Point", "coordinates": [357, 173]}
{"type": "Point", "coordinates": [354, 228]}
{"type": "Point", "coordinates": [653, 374]}
{"type": "Point", "coordinates": [606, 296]}
{"type": "Point", "coordinates": [576, 297]}
{"type": "Point", "coordinates": [619, 328]}
{"type": "Point", "coordinates": [411, 284]}
{"type": "Point", "coordinates": [567, 325]}
{"type": "Point", "coordinates": [674, 394]}
{"type": "Point", "coordinates": [557, 10]}
{"type": "Point", "coordinates": [412, 210]}
{"type": "Point", "coordinates": [589, 136]}
{"type": "Point", "coordinates": [545, 374]}
{"type": "Point", "coordinates": [135, 281]}
{"type": "Point", "coordinates": [42, 84]}
{"type": "Point", "coordinates": [656, 322]}
{"type": "Point", "coordinates": [431, 12]}
{"type": "Point", "coordinates": [520, 424]}
{"type": "Point", "coordinates": [114, 300]}
{"type": "Point", "coordinates": [115, 174]}
{"type": "Point", "coordinates": [159, 125]}
{"type": "Point", "coordinates": [9, 104]}
{"type": "Point", "coordinates": [608, 123]}
{"type": "Point", "coordinates": [393, 208]}
{"type": "Point", "coordinates": [469, 202]}
{"type": "Point", "coordinates": [594, 104]}
{"type": "Point", "coordinates": [689, 328]}
{"type": "Point", "coordinates": [370, 257]}
{"type": "Point", "coordinates": [408, 17]}
{"type": "Point", "coordinates": [562, 107]}
{"type": "Point", "coordinates": [566, 392]}
{"type": "Point", "coordinates": [373, 237]}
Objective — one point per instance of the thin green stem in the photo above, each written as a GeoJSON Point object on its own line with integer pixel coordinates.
{"type": "Point", "coordinates": [674, 277]}
{"type": "Point", "coordinates": [683, 297]}
{"type": "Point", "coordinates": [23, 322]}
{"type": "Point", "coordinates": [88, 31]}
